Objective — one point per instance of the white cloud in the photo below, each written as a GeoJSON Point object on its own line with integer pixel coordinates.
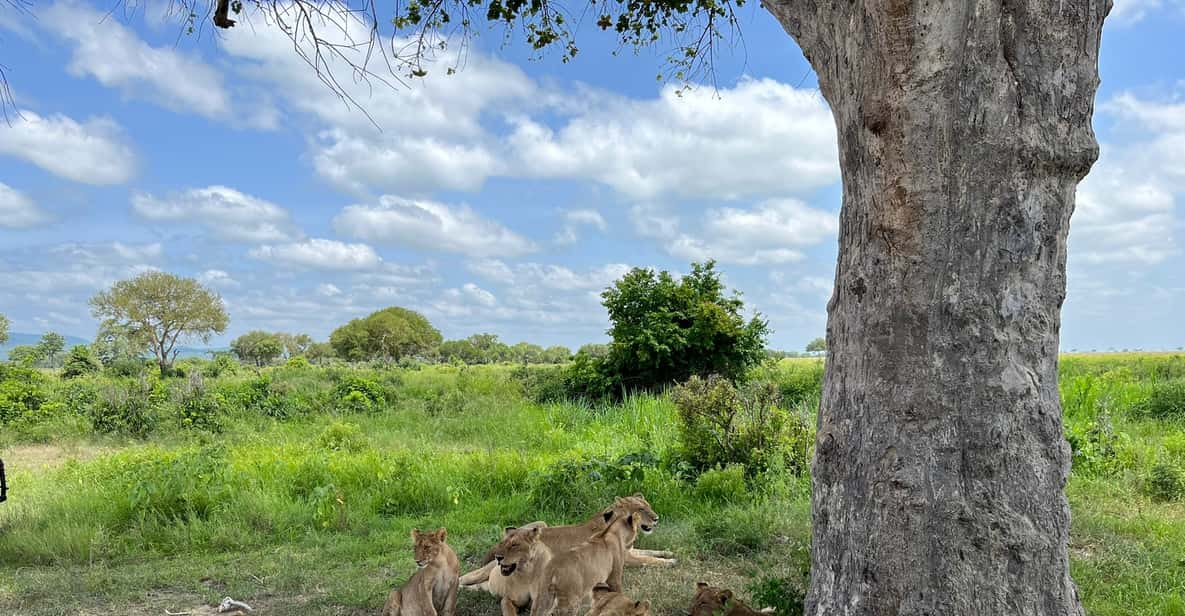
{"type": "Point", "coordinates": [548, 276]}
{"type": "Point", "coordinates": [760, 138]}
{"type": "Point", "coordinates": [328, 290]}
{"type": "Point", "coordinates": [429, 134]}
{"type": "Point", "coordinates": [91, 153]}
{"type": "Point", "coordinates": [1128, 12]}
{"type": "Point", "coordinates": [225, 212]}
{"type": "Point", "coordinates": [218, 278]}
{"type": "Point", "coordinates": [114, 55]}
{"type": "Point", "coordinates": [431, 226]}
{"type": "Point", "coordinates": [574, 219]}
{"type": "Point", "coordinates": [1126, 209]}
{"type": "Point", "coordinates": [317, 253]}
{"type": "Point", "coordinates": [772, 232]}
{"type": "Point", "coordinates": [18, 211]}
{"type": "Point", "coordinates": [138, 252]}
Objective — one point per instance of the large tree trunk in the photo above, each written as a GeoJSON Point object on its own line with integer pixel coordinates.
{"type": "Point", "coordinates": [940, 467]}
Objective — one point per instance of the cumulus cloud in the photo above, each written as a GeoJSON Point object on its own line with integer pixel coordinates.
{"type": "Point", "coordinates": [317, 253]}
{"type": "Point", "coordinates": [548, 276]}
{"type": "Point", "coordinates": [224, 212]}
{"type": "Point", "coordinates": [1127, 207]}
{"type": "Point", "coordinates": [428, 135]}
{"type": "Point", "coordinates": [772, 232]}
{"type": "Point", "coordinates": [574, 220]}
{"type": "Point", "coordinates": [759, 138]}
{"type": "Point", "coordinates": [114, 55]}
{"type": "Point", "coordinates": [92, 153]}
{"type": "Point", "coordinates": [18, 211]}
{"type": "Point", "coordinates": [218, 279]}
{"type": "Point", "coordinates": [430, 225]}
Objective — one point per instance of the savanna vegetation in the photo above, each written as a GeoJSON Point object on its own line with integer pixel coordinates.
{"type": "Point", "coordinates": [290, 478]}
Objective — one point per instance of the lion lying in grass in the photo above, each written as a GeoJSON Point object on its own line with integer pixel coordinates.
{"type": "Point", "coordinates": [609, 603]}
{"type": "Point", "coordinates": [432, 589]}
{"type": "Point", "coordinates": [712, 601]}
{"type": "Point", "coordinates": [562, 538]}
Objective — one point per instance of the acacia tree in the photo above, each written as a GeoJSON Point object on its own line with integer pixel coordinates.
{"type": "Point", "coordinates": [964, 127]}
{"type": "Point", "coordinates": [258, 347]}
{"type": "Point", "coordinates": [50, 345]}
{"type": "Point", "coordinates": [162, 309]}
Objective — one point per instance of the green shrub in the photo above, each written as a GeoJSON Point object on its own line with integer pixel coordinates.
{"type": "Point", "coordinates": [542, 384]}
{"type": "Point", "coordinates": [21, 393]}
{"type": "Point", "coordinates": [223, 364]}
{"type": "Point", "coordinates": [1166, 482]}
{"type": "Point", "coordinates": [258, 395]}
{"type": "Point", "coordinates": [342, 436]}
{"type": "Point", "coordinates": [587, 484]}
{"type": "Point", "coordinates": [1096, 448]}
{"type": "Point", "coordinates": [721, 425]}
{"type": "Point", "coordinates": [797, 382]}
{"type": "Point", "coordinates": [1167, 400]}
{"type": "Point", "coordinates": [722, 485]}
{"type": "Point", "coordinates": [80, 361]}
{"type": "Point", "coordinates": [126, 409]}
{"type": "Point", "coordinates": [127, 367]}
{"type": "Point", "coordinates": [297, 362]}
{"type": "Point", "coordinates": [783, 595]}
{"type": "Point", "coordinates": [1174, 445]}
{"type": "Point", "coordinates": [197, 407]}
{"type": "Point", "coordinates": [358, 394]}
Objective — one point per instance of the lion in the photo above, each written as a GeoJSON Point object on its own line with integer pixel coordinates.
{"type": "Point", "coordinates": [561, 538]}
{"type": "Point", "coordinates": [712, 601]}
{"type": "Point", "coordinates": [609, 603]}
{"type": "Point", "coordinates": [518, 558]}
{"type": "Point", "coordinates": [569, 579]}
{"type": "Point", "coordinates": [432, 589]}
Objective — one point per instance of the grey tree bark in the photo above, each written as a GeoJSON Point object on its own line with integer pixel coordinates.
{"type": "Point", "coordinates": [940, 467]}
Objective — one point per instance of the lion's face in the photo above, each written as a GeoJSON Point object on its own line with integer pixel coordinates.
{"type": "Point", "coordinates": [606, 603]}
{"type": "Point", "coordinates": [709, 600]}
{"type": "Point", "coordinates": [637, 506]}
{"type": "Point", "coordinates": [516, 549]}
{"type": "Point", "coordinates": [428, 545]}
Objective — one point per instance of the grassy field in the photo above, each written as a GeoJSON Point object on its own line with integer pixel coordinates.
{"type": "Point", "coordinates": [295, 489]}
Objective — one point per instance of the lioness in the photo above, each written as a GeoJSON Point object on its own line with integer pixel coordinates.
{"type": "Point", "coordinates": [710, 600]}
{"type": "Point", "coordinates": [570, 576]}
{"type": "Point", "coordinates": [432, 589]}
{"type": "Point", "coordinates": [609, 603]}
{"type": "Point", "coordinates": [518, 558]}
{"type": "Point", "coordinates": [561, 538]}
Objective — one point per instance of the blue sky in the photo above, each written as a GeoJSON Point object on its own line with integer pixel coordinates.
{"type": "Point", "coordinates": [505, 197]}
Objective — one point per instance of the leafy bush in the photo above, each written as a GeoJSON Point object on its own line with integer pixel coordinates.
{"type": "Point", "coordinates": [444, 401]}
{"type": "Point", "coordinates": [297, 362]}
{"type": "Point", "coordinates": [342, 436]}
{"type": "Point", "coordinates": [351, 388]}
{"type": "Point", "coordinates": [783, 595]}
{"type": "Point", "coordinates": [127, 367]}
{"type": "Point", "coordinates": [542, 384]}
{"type": "Point", "coordinates": [80, 361]}
{"type": "Point", "coordinates": [587, 484]}
{"type": "Point", "coordinates": [258, 395]}
{"type": "Point", "coordinates": [222, 365]}
{"type": "Point", "coordinates": [126, 409]}
{"type": "Point", "coordinates": [21, 394]}
{"type": "Point", "coordinates": [722, 485]}
{"type": "Point", "coordinates": [197, 407]}
{"type": "Point", "coordinates": [1096, 448]}
{"type": "Point", "coordinates": [1166, 482]}
{"type": "Point", "coordinates": [721, 425]}
{"type": "Point", "coordinates": [1167, 400]}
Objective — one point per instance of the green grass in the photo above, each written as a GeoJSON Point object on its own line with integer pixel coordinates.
{"type": "Point", "coordinates": [302, 499]}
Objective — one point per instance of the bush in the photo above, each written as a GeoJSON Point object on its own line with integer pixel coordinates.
{"type": "Point", "coordinates": [126, 409]}
{"type": "Point", "coordinates": [132, 367]}
{"type": "Point", "coordinates": [1096, 448]}
{"type": "Point", "coordinates": [80, 361]}
{"type": "Point", "coordinates": [222, 365]}
{"type": "Point", "coordinates": [258, 395]}
{"type": "Point", "coordinates": [722, 485]}
{"type": "Point", "coordinates": [1166, 482]}
{"type": "Point", "coordinates": [21, 393]}
{"type": "Point", "coordinates": [356, 392]}
{"type": "Point", "coordinates": [542, 384]}
{"type": "Point", "coordinates": [586, 485]}
{"type": "Point", "coordinates": [197, 407]}
{"type": "Point", "coordinates": [783, 595]}
{"type": "Point", "coordinates": [721, 425]}
{"type": "Point", "coordinates": [1167, 400]}
{"type": "Point", "coordinates": [297, 362]}
{"type": "Point", "coordinates": [342, 436]}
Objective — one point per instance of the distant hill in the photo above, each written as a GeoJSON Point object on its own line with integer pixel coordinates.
{"type": "Point", "coordinates": [19, 338]}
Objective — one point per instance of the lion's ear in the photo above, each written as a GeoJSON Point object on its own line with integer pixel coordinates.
{"type": "Point", "coordinates": [600, 590]}
{"type": "Point", "coordinates": [415, 534]}
{"type": "Point", "coordinates": [701, 585]}
{"type": "Point", "coordinates": [441, 533]}
{"type": "Point", "coordinates": [643, 607]}
{"type": "Point", "coordinates": [608, 515]}
{"type": "Point", "coordinates": [506, 531]}
{"type": "Point", "coordinates": [726, 595]}
{"type": "Point", "coordinates": [536, 533]}
{"type": "Point", "coordinates": [638, 495]}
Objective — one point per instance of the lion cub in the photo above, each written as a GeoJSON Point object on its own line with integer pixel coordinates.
{"type": "Point", "coordinates": [432, 589]}
{"type": "Point", "coordinates": [570, 576]}
{"type": "Point", "coordinates": [609, 603]}
{"type": "Point", "coordinates": [710, 600]}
